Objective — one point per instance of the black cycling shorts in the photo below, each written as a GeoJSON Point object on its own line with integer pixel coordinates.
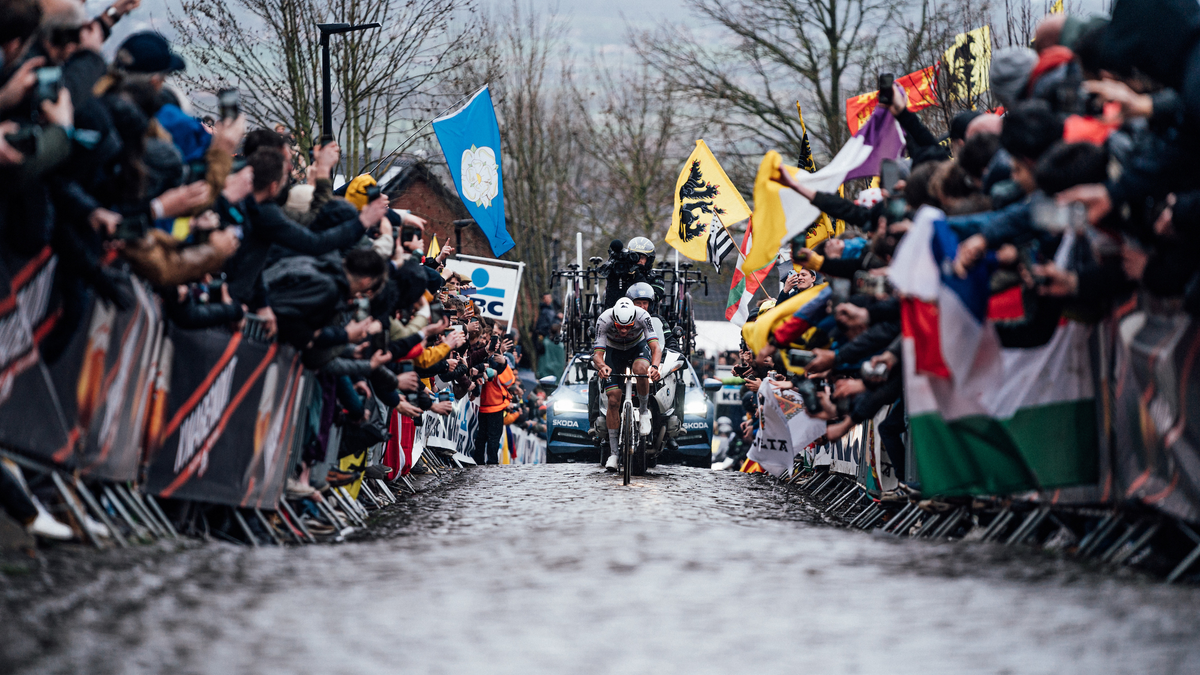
{"type": "Point", "coordinates": [620, 359]}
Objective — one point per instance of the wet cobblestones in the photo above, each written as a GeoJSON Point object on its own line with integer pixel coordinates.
{"type": "Point", "coordinates": [560, 569]}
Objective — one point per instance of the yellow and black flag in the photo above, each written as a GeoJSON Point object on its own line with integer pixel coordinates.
{"type": "Point", "coordinates": [806, 157]}
{"type": "Point", "coordinates": [823, 227]}
{"type": "Point", "coordinates": [705, 201]}
{"type": "Point", "coordinates": [967, 63]}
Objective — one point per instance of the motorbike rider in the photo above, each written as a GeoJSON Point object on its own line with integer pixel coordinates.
{"type": "Point", "coordinates": [643, 297]}
{"type": "Point", "coordinates": [628, 265]}
{"type": "Point", "coordinates": [625, 338]}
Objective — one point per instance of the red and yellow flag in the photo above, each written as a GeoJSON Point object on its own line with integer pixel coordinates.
{"type": "Point", "coordinates": [919, 87]}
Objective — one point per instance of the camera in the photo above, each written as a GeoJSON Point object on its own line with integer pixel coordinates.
{"type": "Point", "coordinates": [228, 102]}
{"type": "Point", "coordinates": [362, 309]}
{"type": "Point", "coordinates": [1048, 215]}
{"type": "Point", "coordinates": [132, 228]}
{"type": "Point", "coordinates": [885, 88]}
{"type": "Point", "coordinates": [873, 372]}
{"type": "Point", "coordinates": [807, 390]}
{"type": "Point", "coordinates": [25, 139]}
{"type": "Point", "coordinates": [373, 192]}
{"type": "Point", "coordinates": [800, 357]}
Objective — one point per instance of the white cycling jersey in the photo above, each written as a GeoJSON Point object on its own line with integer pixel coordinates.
{"type": "Point", "coordinates": [607, 336]}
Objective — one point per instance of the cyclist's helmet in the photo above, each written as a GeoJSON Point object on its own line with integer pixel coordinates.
{"type": "Point", "coordinates": [623, 313]}
{"type": "Point", "coordinates": [642, 246]}
{"type": "Point", "coordinates": [640, 291]}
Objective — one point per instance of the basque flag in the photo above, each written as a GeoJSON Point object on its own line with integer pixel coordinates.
{"type": "Point", "coordinates": [470, 140]}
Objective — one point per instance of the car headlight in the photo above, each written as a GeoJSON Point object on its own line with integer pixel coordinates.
{"type": "Point", "coordinates": [698, 408]}
{"type": "Point", "coordinates": [569, 406]}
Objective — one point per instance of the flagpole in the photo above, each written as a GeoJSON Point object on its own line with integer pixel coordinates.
{"type": "Point", "coordinates": [419, 130]}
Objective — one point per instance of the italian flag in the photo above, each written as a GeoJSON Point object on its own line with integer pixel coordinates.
{"type": "Point", "coordinates": [986, 419]}
{"type": "Point", "coordinates": [742, 290]}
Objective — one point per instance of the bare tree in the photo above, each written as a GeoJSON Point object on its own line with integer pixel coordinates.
{"type": "Point", "coordinates": [635, 144]}
{"type": "Point", "coordinates": [382, 78]}
{"type": "Point", "coordinates": [783, 51]}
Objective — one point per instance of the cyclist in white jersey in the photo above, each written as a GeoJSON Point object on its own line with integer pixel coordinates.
{"type": "Point", "coordinates": [625, 338]}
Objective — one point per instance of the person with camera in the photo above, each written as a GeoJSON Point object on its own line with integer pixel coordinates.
{"type": "Point", "coordinates": [797, 281]}
{"type": "Point", "coordinates": [266, 225]}
{"type": "Point", "coordinates": [628, 265]}
{"type": "Point", "coordinates": [493, 406]}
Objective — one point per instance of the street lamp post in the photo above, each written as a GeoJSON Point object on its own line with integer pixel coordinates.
{"type": "Point", "coordinates": [328, 29]}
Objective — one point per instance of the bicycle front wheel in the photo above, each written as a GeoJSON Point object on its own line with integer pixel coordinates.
{"type": "Point", "coordinates": [627, 441]}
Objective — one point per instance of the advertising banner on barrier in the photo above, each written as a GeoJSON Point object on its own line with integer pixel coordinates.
{"type": "Point", "coordinates": [882, 473]}
{"type": "Point", "coordinates": [1155, 458]}
{"type": "Point", "coordinates": [220, 391]}
{"type": "Point", "coordinates": [32, 422]}
{"type": "Point", "coordinates": [496, 287]}
{"type": "Point", "coordinates": [104, 381]}
{"type": "Point", "coordinates": [277, 430]}
{"type": "Point", "coordinates": [847, 452]}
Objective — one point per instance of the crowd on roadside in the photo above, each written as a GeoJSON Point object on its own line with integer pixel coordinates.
{"type": "Point", "coordinates": [104, 164]}
{"type": "Point", "coordinates": [1095, 139]}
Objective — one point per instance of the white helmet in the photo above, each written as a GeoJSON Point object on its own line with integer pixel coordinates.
{"type": "Point", "coordinates": [623, 312]}
{"type": "Point", "coordinates": [641, 246]}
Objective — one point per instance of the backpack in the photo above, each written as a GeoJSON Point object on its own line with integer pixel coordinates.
{"type": "Point", "coordinates": [304, 294]}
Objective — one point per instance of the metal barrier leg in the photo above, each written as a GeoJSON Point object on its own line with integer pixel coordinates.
{"type": "Point", "coordinates": [1092, 538]}
{"type": "Point", "coordinates": [1130, 530]}
{"type": "Point", "coordinates": [903, 513]}
{"type": "Point", "coordinates": [853, 490]}
{"type": "Point", "coordinates": [873, 519]}
{"type": "Point", "coordinates": [387, 491]}
{"type": "Point", "coordinates": [1136, 546]}
{"type": "Point", "coordinates": [139, 511]}
{"type": "Point", "coordinates": [270, 528]}
{"type": "Point", "coordinates": [75, 509]}
{"type": "Point", "coordinates": [1029, 526]}
{"type": "Point", "coordinates": [1191, 557]}
{"type": "Point", "coordinates": [296, 520]}
{"type": "Point", "coordinates": [99, 513]}
{"type": "Point", "coordinates": [334, 518]}
{"type": "Point", "coordinates": [151, 506]}
{"type": "Point", "coordinates": [998, 522]}
{"type": "Point", "coordinates": [927, 526]}
{"type": "Point", "coordinates": [138, 530]}
{"type": "Point", "coordinates": [908, 521]}
{"type": "Point", "coordinates": [359, 512]}
{"type": "Point", "coordinates": [951, 523]}
{"type": "Point", "coordinates": [245, 526]}
{"type": "Point", "coordinates": [292, 530]}
{"type": "Point", "coordinates": [154, 505]}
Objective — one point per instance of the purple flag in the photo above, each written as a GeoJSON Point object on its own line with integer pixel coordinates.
{"type": "Point", "coordinates": [883, 134]}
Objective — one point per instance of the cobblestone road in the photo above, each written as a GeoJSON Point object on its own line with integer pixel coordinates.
{"type": "Point", "coordinates": [558, 569]}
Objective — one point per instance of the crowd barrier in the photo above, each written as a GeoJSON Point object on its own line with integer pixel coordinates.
{"type": "Point", "coordinates": [135, 406]}
{"type": "Point", "coordinates": [1139, 502]}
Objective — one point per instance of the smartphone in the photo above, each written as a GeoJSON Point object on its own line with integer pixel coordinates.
{"type": "Point", "coordinates": [457, 328]}
{"type": "Point", "coordinates": [889, 175]}
{"type": "Point", "coordinates": [49, 82]}
{"type": "Point", "coordinates": [228, 102]}
{"type": "Point", "coordinates": [435, 312]}
{"type": "Point", "coordinates": [885, 88]}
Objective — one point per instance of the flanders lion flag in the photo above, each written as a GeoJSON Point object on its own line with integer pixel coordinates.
{"type": "Point", "coordinates": [702, 193]}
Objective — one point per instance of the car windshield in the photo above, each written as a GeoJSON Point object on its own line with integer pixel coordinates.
{"type": "Point", "coordinates": [576, 372]}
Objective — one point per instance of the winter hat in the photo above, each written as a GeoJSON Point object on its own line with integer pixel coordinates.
{"type": "Point", "coordinates": [1010, 71]}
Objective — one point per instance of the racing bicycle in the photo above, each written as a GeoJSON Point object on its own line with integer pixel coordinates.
{"type": "Point", "coordinates": [632, 445]}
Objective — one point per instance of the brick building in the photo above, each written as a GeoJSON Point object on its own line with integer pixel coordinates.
{"type": "Point", "coordinates": [416, 188]}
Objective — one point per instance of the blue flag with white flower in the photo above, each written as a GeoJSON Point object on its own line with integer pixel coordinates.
{"type": "Point", "coordinates": [470, 139]}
